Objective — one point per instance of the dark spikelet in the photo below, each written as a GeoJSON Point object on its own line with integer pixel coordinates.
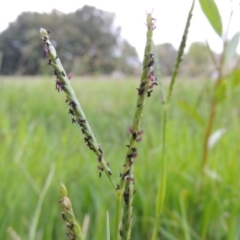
{"type": "Point", "coordinates": [73, 228]}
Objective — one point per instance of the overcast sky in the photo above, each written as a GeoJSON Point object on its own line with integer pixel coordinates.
{"type": "Point", "coordinates": [130, 15]}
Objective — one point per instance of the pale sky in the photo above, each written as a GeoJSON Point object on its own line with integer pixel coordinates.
{"type": "Point", "coordinates": [171, 17]}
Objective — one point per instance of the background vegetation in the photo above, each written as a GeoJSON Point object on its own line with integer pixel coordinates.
{"type": "Point", "coordinates": [88, 42]}
{"type": "Point", "coordinates": [37, 132]}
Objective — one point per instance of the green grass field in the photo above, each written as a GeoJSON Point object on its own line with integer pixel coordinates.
{"type": "Point", "coordinates": [36, 132]}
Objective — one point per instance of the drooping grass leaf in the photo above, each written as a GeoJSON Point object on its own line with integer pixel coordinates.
{"type": "Point", "coordinates": [213, 58]}
{"type": "Point", "coordinates": [220, 91]}
{"type": "Point", "coordinates": [231, 47]}
{"type": "Point", "coordinates": [191, 112]}
{"type": "Point", "coordinates": [210, 10]}
{"type": "Point", "coordinates": [185, 226]}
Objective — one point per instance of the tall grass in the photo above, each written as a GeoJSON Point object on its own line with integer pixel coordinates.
{"type": "Point", "coordinates": [35, 133]}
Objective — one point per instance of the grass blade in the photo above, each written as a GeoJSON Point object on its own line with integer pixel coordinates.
{"type": "Point", "coordinates": [231, 48]}
{"type": "Point", "coordinates": [211, 11]}
{"type": "Point", "coordinates": [184, 215]}
{"type": "Point", "coordinates": [108, 226]}
{"type": "Point", "coordinates": [33, 228]}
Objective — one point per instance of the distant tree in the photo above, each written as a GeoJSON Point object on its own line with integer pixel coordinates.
{"type": "Point", "coordinates": [197, 61]}
{"type": "Point", "coordinates": [128, 62]}
{"type": "Point", "coordinates": [87, 41]}
{"type": "Point", "coordinates": [19, 43]}
{"type": "Point", "coordinates": [167, 56]}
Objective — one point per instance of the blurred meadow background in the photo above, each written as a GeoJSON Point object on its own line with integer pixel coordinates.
{"type": "Point", "coordinates": [36, 132]}
{"type": "Point", "coordinates": [37, 137]}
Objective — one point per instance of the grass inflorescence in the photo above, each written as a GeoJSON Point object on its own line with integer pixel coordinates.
{"type": "Point", "coordinates": [148, 81]}
{"type": "Point", "coordinates": [125, 188]}
{"type": "Point", "coordinates": [75, 109]}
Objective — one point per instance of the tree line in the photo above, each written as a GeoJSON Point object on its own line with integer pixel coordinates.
{"type": "Point", "coordinates": [89, 43]}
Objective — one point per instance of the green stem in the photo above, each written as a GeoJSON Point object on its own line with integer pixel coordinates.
{"type": "Point", "coordinates": [117, 215]}
{"type": "Point", "coordinates": [213, 107]}
{"type": "Point", "coordinates": [180, 52]}
{"type": "Point", "coordinates": [107, 227]}
{"type": "Point", "coordinates": [210, 122]}
{"type": "Point", "coordinates": [184, 221]}
{"type": "Point", "coordinates": [162, 180]}
{"type": "Point", "coordinates": [75, 109]}
{"type": "Point", "coordinates": [33, 228]}
{"type": "Point", "coordinates": [161, 192]}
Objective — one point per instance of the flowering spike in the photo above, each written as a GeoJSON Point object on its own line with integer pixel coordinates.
{"type": "Point", "coordinates": [126, 186]}
{"type": "Point", "coordinates": [63, 84]}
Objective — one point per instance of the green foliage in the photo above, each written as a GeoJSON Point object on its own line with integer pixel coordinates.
{"type": "Point", "coordinates": [220, 89]}
{"type": "Point", "coordinates": [88, 42]}
{"type": "Point", "coordinates": [229, 83]}
{"type": "Point", "coordinates": [210, 10]}
{"type": "Point", "coordinates": [36, 132]}
{"type": "Point", "coordinates": [220, 92]}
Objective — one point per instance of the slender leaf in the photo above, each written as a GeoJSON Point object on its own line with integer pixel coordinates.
{"type": "Point", "coordinates": [228, 86]}
{"type": "Point", "coordinates": [185, 225]}
{"type": "Point", "coordinates": [107, 226]}
{"type": "Point", "coordinates": [211, 55]}
{"type": "Point", "coordinates": [221, 91]}
{"type": "Point", "coordinates": [235, 77]}
{"type": "Point", "coordinates": [210, 10]}
{"type": "Point", "coordinates": [191, 111]}
{"type": "Point", "coordinates": [35, 220]}
{"type": "Point", "coordinates": [232, 47]}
